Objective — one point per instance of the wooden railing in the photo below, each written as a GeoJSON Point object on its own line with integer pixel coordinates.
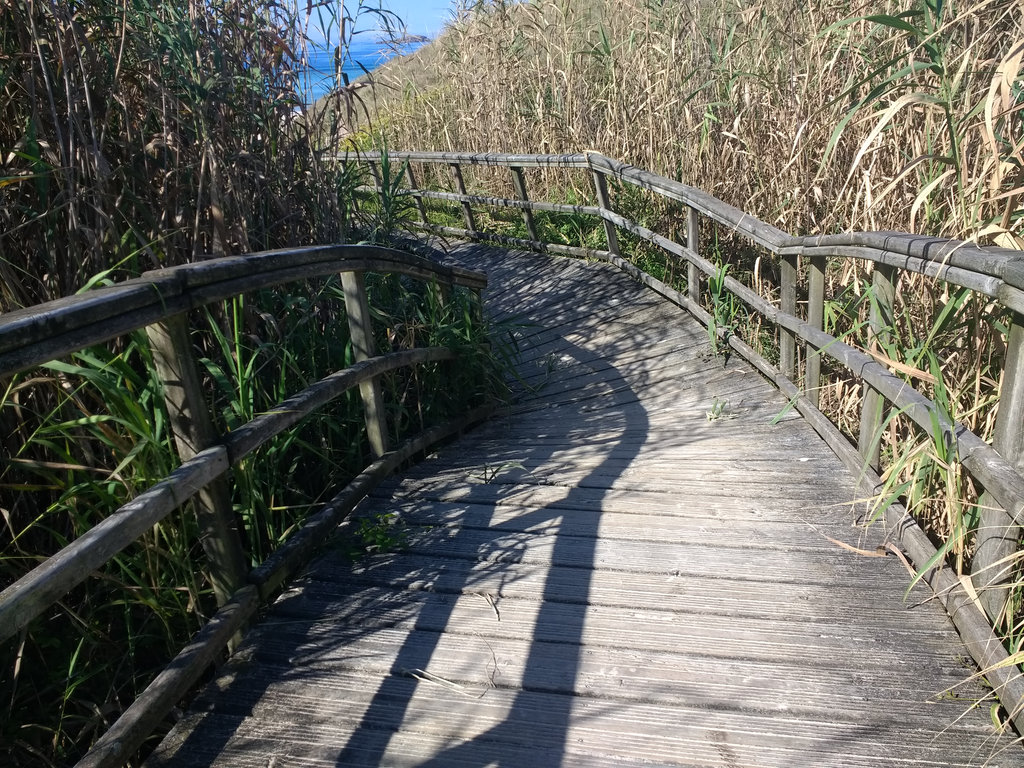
{"type": "Point", "coordinates": [159, 302]}
{"type": "Point", "coordinates": [992, 272]}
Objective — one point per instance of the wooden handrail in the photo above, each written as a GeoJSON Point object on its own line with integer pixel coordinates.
{"type": "Point", "coordinates": [945, 259]}
{"type": "Point", "coordinates": [48, 331]}
{"type": "Point", "coordinates": [993, 272]}
{"type": "Point", "coordinates": [159, 301]}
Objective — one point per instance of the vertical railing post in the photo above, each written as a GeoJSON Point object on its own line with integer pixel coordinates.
{"type": "Point", "coordinates": [816, 319]}
{"type": "Point", "coordinates": [361, 332]}
{"type": "Point", "coordinates": [997, 537]}
{"type": "Point", "coordinates": [880, 319]}
{"type": "Point", "coordinates": [693, 243]}
{"type": "Point", "coordinates": [416, 195]}
{"type": "Point", "coordinates": [519, 182]}
{"type": "Point", "coordinates": [375, 172]}
{"type": "Point", "coordinates": [787, 297]}
{"type": "Point", "coordinates": [193, 432]}
{"type": "Point", "coordinates": [603, 201]}
{"type": "Point", "coordinates": [377, 183]}
{"type": "Point", "coordinates": [460, 185]}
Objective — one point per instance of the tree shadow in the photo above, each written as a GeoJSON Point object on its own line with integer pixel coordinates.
{"type": "Point", "coordinates": [486, 614]}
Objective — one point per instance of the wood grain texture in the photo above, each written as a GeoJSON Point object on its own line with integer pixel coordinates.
{"type": "Point", "coordinates": [605, 574]}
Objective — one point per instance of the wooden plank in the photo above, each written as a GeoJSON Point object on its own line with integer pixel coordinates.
{"type": "Point", "coordinates": [604, 203]}
{"type": "Point", "coordinates": [519, 183]}
{"type": "Point", "coordinates": [880, 321]}
{"type": "Point", "coordinates": [49, 331]}
{"type": "Point", "coordinates": [41, 323]}
{"type": "Point", "coordinates": [667, 677]}
{"type": "Point", "coordinates": [693, 287]}
{"type": "Point", "coordinates": [416, 194]}
{"type": "Point", "coordinates": [711, 595]}
{"type": "Point", "coordinates": [460, 185]}
{"type": "Point", "coordinates": [648, 588]}
{"type": "Point", "coordinates": [360, 326]}
{"type": "Point", "coordinates": [787, 291]}
{"type": "Point", "coordinates": [524, 728]}
{"type": "Point", "coordinates": [537, 726]}
{"type": "Point", "coordinates": [816, 319]}
{"type": "Point", "coordinates": [193, 431]}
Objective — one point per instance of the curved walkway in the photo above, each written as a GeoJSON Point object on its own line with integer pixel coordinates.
{"type": "Point", "coordinates": [636, 564]}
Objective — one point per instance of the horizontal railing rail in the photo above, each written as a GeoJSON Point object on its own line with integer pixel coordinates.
{"type": "Point", "coordinates": [159, 302]}
{"type": "Point", "coordinates": [992, 272]}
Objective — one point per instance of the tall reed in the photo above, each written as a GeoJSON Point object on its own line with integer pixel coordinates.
{"type": "Point", "coordinates": [146, 134]}
{"type": "Point", "coordinates": [899, 115]}
{"type": "Point", "coordinates": [140, 135]}
{"type": "Point", "coordinates": [808, 115]}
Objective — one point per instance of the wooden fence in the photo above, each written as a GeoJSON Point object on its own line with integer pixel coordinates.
{"type": "Point", "coordinates": [159, 302]}
{"type": "Point", "coordinates": [992, 272]}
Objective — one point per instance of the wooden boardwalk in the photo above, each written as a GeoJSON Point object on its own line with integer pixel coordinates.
{"type": "Point", "coordinates": [631, 566]}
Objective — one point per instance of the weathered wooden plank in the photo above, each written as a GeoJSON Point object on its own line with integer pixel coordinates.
{"type": "Point", "coordinates": [35, 335]}
{"type": "Point", "coordinates": [503, 159]}
{"type": "Point", "coordinates": [816, 319]}
{"type": "Point", "coordinates": [647, 588]}
{"type": "Point", "coordinates": [787, 303]}
{"type": "Point", "coordinates": [746, 523]}
{"type": "Point", "coordinates": [764, 234]}
{"type": "Point", "coordinates": [881, 325]}
{"type": "Point", "coordinates": [324, 259]}
{"type": "Point", "coordinates": [721, 595]}
{"type": "Point", "coordinates": [667, 677]}
{"type": "Point", "coordinates": [519, 183]}
{"type": "Point", "coordinates": [779, 565]}
{"type": "Point", "coordinates": [693, 287]}
{"type": "Point", "coordinates": [53, 330]}
{"type": "Point", "coordinates": [194, 432]}
{"type": "Point", "coordinates": [724, 506]}
{"type": "Point", "coordinates": [529, 727]}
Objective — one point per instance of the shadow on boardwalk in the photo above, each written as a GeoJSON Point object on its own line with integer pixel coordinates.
{"type": "Point", "coordinates": [534, 729]}
{"type": "Point", "coordinates": [644, 590]}
{"type": "Point", "coordinates": [315, 629]}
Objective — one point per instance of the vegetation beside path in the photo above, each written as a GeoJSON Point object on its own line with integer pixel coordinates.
{"type": "Point", "coordinates": [904, 115]}
{"type": "Point", "coordinates": [143, 135]}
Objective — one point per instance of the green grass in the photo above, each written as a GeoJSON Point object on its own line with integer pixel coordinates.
{"type": "Point", "coordinates": [93, 432]}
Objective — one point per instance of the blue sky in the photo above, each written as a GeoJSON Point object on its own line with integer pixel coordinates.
{"type": "Point", "coordinates": [423, 17]}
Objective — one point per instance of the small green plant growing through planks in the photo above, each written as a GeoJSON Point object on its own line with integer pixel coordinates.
{"type": "Point", "coordinates": [381, 533]}
{"type": "Point", "coordinates": [390, 211]}
{"type": "Point", "coordinates": [724, 311]}
{"type": "Point", "coordinates": [718, 410]}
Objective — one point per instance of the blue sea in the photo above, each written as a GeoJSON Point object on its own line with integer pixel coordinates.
{"type": "Point", "coordinates": [363, 56]}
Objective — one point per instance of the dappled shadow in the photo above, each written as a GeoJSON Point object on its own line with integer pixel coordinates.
{"type": "Point", "coordinates": [528, 727]}
{"type": "Point", "coordinates": [471, 646]}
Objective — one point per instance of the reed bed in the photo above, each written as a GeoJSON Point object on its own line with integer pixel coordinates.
{"type": "Point", "coordinates": [142, 135]}
{"type": "Point", "coordinates": [902, 116]}
{"type": "Point", "coordinates": [813, 116]}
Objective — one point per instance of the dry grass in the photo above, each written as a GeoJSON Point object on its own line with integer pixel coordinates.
{"type": "Point", "coordinates": [812, 116]}
{"type": "Point", "coordinates": [138, 135]}
{"type": "Point", "coordinates": [800, 113]}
